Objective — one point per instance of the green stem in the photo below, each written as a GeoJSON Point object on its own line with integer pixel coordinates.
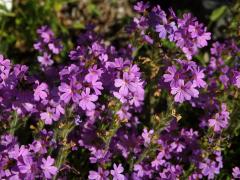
{"type": "Point", "coordinates": [152, 147]}
{"type": "Point", "coordinates": [61, 135]}
{"type": "Point", "coordinates": [13, 123]}
{"type": "Point", "coordinates": [116, 126]}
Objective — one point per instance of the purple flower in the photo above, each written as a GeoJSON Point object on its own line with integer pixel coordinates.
{"type": "Point", "coordinates": [190, 35]}
{"type": "Point", "coordinates": [162, 31]}
{"type": "Point", "coordinates": [47, 43]}
{"type": "Point", "coordinates": [217, 124]}
{"type": "Point", "coordinates": [59, 110]}
{"type": "Point", "coordinates": [236, 172]}
{"type": "Point", "coordinates": [147, 38]}
{"type": "Point", "coordinates": [147, 135]}
{"type": "Point", "coordinates": [38, 46]}
{"type": "Point", "coordinates": [18, 151]}
{"type": "Point", "coordinates": [178, 147]}
{"type": "Point", "coordinates": [170, 77]}
{"type": "Point", "coordinates": [7, 139]}
{"type": "Point", "coordinates": [55, 47]}
{"type": "Point", "coordinates": [99, 175]}
{"type": "Point", "coordinates": [158, 161]}
{"type": "Point", "coordinates": [123, 113]}
{"type": "Point", "coordinates": [126, 84]}
{"type": "Point", "coordinates": [137, 97]}
{"type": "Point", "coordinates": [224, 79]}
{"type": "Point", "coordinates": [48, 169]}
{"type": "Point", "coordinates": [119, 63]}
{"type": "Point", "coordinates": [25, 167]}
{"type": "Point", "coordinates": [5, 66]}
{"type": "Point", "coordinates": [209, 168]}
{"type": "Point", "coordinates": [117, 172]}
{"type": "Point", "coordinates": [41, 92]}
{"type": "Point", "coordinates": [37, 146]}
{"type": "Point", "coordinates": [141, 6]}
{"type": "Point", "coordinates": [45, 60]}
{"type": "Point", "coordinates": [183, 91]}
{"type": "Point", "coordinates": [198, 78]}
{"type": "Point", "coordinates": [93, 74]}
{"type": "Point", "coordinates": [86, 102]}
{"type": "Point", "coordinates": [220, 121]}
{"type": "Point", "coordinates": [139, 169]}
{"type": "Point", "coordinates": [98, 155]}
{"type": "Point", "coordinates": [97, 87]}
{"type": "Point", "coordinates": [203, 38]}
{"type": "Point", "coordinates": [69, 92]}
{"type": "Point", "coordinates": [237, 81]}
{"type": "Point", "coordinates": [49, 116]}
{"type": "Point", "coordinates": [46, 33]}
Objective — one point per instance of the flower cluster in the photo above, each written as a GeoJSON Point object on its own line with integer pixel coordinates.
{"type": "Point", "coordinates": [25, 161]}
{"type": "Point", "coordinates": [47, 45]}
{"type": "Point", "coordinates": [186, 32]}
{"type": "Point", "coordinates": [185, 80]}
{"type": "Point", "coordinates": [102, 115]}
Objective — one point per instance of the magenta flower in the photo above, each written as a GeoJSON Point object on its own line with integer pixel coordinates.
{"type": "Point", "coordinates": [209, 168]}
{"type": "Point", "coordinates": [147, 135]}
{"type": "Point", "coordinates": [59, 110]}
{"type": "Point", "coordinates": [46, 33]}
{"type": "Point", "coordinates": [37, 146]}
{"type": "Point", "coordinates": [139, 169]}
{"type": "Point", "coordinates": [69, 92]}
{"type": "Point", "coordinates": [86, 102]}
{"type": "Point", "coordinates": [41, 92]}
{"type": "Point", "coordinates": [183, 91]}
{"type": "Point", "coordinates": [98, 175]}
{"type": "Point", "coordinates": [93, 74]}
{"type": "Point", "coordinates": [18, 151]}
{"type": "Point", "coordinates": [123, 113]}
{"type": "Point", "coordinates": [38, 46]}
{"type": "Point", "coordinates": [55, 47]}
{"type": "Point", "coordinates": [117, 172]}
{"type": "Point", "coordinates": [190, 35]}
{"type": "Point", "coordinates": [158, 161]}
{"type": "Point", "coordinates": [125, 84]}
{"type": "Point", "coordinates": [217, 124]}
{"type": "Point", "coordinates": [5, 66]}
{"type": "Point", "coordinates": [137, 97]}
{"type": "Point", "coordinates": [49, 116]}
{"type": "Point", "coordinates": [220, 121]}
{"type": "Point", "coordinates": [236, 172]}
{"type": "Point", "coordinates": [178, 147]}
{"type": "Point", "coordinates": [25, 167]}
{"type": "Point", "coordinates": [237, 81]}
{"type": "Point", "coordinates": [171, 75]}
{"type": "Point", "coordinates": [45, 60]}
{"type": "Point", "coordinates": [141, 6]}
{"type": "Point", "coordinates": [119, 63]}
{"type": "Point", "coordinates": [48, 169]}
{"type": "Point", "coordinates": [162, 31]}
{"type": "Point", "coordinates": [97, 87]}
{"type": "Point", "coordinates": [198, 78]}
{"type": "Point", "coordinates": [203, 38]}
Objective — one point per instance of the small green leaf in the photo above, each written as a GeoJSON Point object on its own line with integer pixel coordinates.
{"type": "Point", "coordinates": [217, 13]}
{"type": "Point", "coordinates": [78, 25]}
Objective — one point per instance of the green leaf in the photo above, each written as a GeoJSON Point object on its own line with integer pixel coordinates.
{"type": "Point", "coordinates": [92, 8]}
{"type": "Point", "coordinates": [78, 25]}
{"type": "Point", "coordinates": [217, 13]}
